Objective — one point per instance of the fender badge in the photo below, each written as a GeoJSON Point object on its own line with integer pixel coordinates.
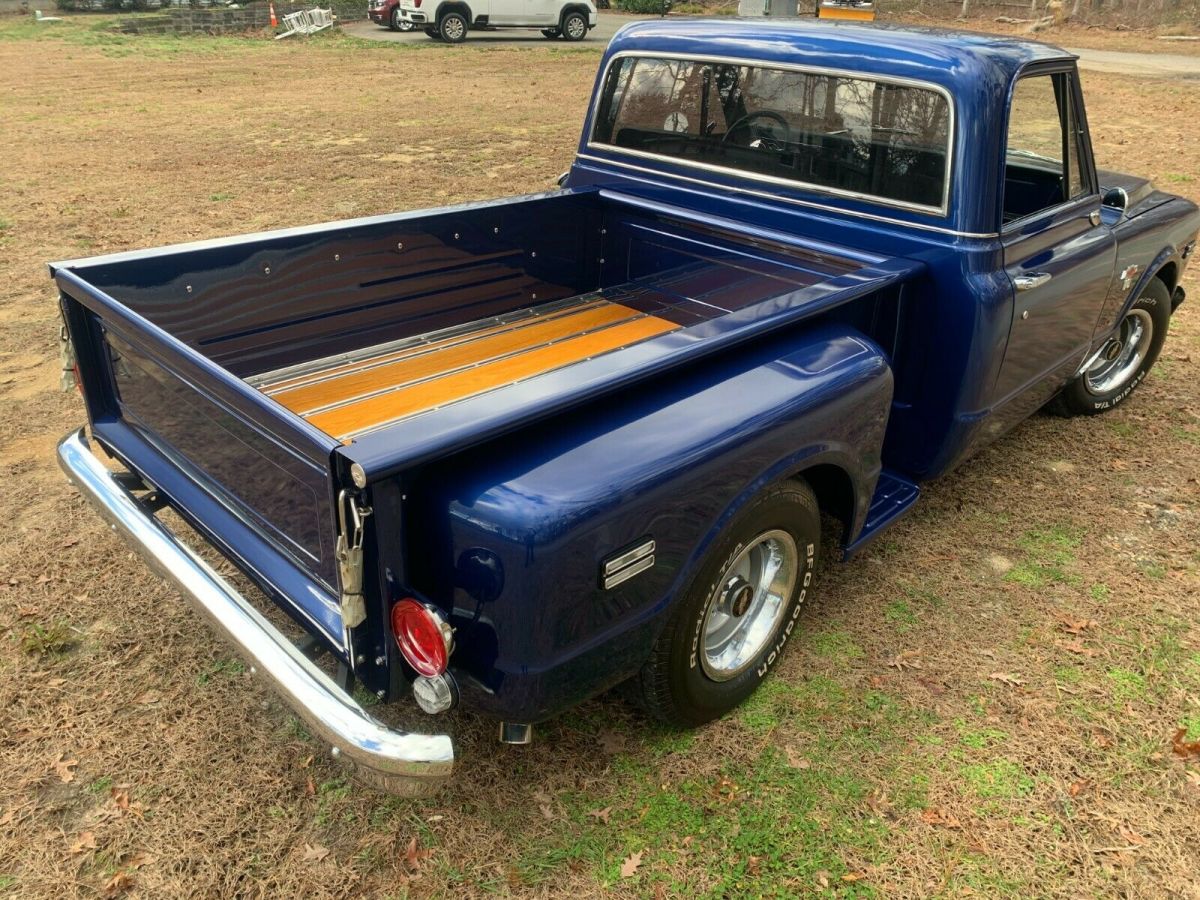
{"type": "Point", "coordinates": [1127, 276]}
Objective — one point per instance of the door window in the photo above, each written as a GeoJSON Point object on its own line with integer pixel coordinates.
{"type": "Point", "coordinates": [1043, 159]}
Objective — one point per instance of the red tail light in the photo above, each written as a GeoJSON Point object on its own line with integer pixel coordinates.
{"type": "Point", "coordinates": [423, 636]}
{"type": "Point", "coordinates": [417, 3]}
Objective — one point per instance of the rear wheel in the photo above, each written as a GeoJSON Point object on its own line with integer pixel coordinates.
{"type": "Point", "coordinates": [1122, 363]}
{"type": "Point", "coordinates": [452, 28]}
{"type": "Point", "coordinates": [574, 26]}
{"type": "Point", "coordinates": [730, 627]}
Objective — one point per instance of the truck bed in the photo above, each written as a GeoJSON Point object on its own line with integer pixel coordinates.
{"type": "Point", "coordinates": [348, 395]}
{"type": "Point", "coordinates": [251, 373]}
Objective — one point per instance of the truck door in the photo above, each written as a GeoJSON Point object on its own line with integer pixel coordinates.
{"type": "Point", "coordinates": [540, 12]}
{"type": "Point", "coordinates": [1057, 254]}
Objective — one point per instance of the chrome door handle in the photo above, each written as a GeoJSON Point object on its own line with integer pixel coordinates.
{"type": "Point", "coordinates": [1029, 282]}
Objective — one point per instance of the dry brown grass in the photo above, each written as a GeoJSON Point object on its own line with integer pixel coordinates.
{"type": "Point", "coordinates": [189, 779]}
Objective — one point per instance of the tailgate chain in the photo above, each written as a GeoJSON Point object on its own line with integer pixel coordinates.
{"type": "Point", "coordinates": [350, 558]}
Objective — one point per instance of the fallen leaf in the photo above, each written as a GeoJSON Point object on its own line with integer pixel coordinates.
{"type": "Point", "coordinates": [687, 841]}
{"type": "Point", "coordinates": [307, 762]}
{"type": "Point", "coordinates": [795, 759]}
{"type": "Point", "coordinates": [85, 842]}
{"type": "Point", "coordinates": [611, 742]}
{"type": "Point", "coordinates": [1132, 836]}
{"type": "Point", "coordinates": [1075, 647]}
{"type": "Point", "coordinates": [1182, 747]}
{"type": "Point", "coordinates": [120, 799]}
{"type": "Point", "coordinates": [8, 817]}
{"type": "Point", "coordinates": [56, 682]}
{"type": "Point", "coordinates": [937, 816]}
{"type": "Point", "coordinates": [823, 878]}
{"type": "Point", "coordinates": [1078, 787]}
{"type": "Point", "coordinates": [630, 866]}
{"type": "Point", "coordinates": [1189, 774]}
{"type": "Point", "coordinates": [600, 814]}
{"type": "Point", "coordinates": [851, 877]}
{"type": "Point", "coordinates": [1005, 678]}
{"type": "Point", "coordinates": [118, 884]}
{"type": "Point", "coordinates": [138, 860]}
{"type": "Point", "coordinates": [147, 697]}
{"type": "Point", "coordinates": [754, 865]}
{"type": "Point", "coordinates": [545, 803]}
{"type": "Point", "coordinates": [310, 789]}
{"type": "Point", "coordinates": [875, 681]}
{"type": "Point", "coordinates": [413, 855]}
{"type": "Point", "coordinates": [315, 852]}
{"type": "Point", "coordinates": [906, 659]}
{"type": "Point", "coordinates": [63, 767]}
{"type": "Point", "coordinates": [1073, 626]}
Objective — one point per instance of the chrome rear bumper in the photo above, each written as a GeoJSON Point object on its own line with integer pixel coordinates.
{"type": "Point", "coordinates": [393, 761]}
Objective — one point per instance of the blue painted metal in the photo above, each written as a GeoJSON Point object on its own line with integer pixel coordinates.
{"type": "Point", "coordinates": [672, 460]}
{"type": "Point", "coordinates": [894, 496]}
{"type": "Point", "coordinates": [816, 331]}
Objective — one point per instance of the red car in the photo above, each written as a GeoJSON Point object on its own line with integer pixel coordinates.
{"type": "Point", "coordinates": [387, 12]}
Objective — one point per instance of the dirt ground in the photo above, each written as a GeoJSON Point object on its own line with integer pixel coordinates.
{"type": "Point", "coordinates": [981, 705]}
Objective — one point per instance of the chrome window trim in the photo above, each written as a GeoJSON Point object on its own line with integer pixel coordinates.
{"type": "Point", "coordinates": [794, 201]}
{"type": "Point", "coordinates": [942, 210]}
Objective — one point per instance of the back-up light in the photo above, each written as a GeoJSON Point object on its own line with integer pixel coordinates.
{"type": "Point", "coordinates": [423, 636]}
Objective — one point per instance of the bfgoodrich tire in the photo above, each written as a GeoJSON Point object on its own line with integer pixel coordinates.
{"type": "Point", "coordinates": [1124, 361]}
{"type": "Point", "coordinates": [735, 618]}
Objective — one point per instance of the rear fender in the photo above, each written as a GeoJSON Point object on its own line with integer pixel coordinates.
{"type": "Point", "coordinates": [672, 459]}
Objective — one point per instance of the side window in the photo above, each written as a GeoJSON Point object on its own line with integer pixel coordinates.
{"type": "Point", "coordinates": [1043, 167]}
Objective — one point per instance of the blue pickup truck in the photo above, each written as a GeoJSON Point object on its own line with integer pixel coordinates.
{"type": "Point", "coordinates": [512, 454]}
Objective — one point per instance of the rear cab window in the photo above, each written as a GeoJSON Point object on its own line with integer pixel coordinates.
{"type": "Point", "coordinates": [837, 133]}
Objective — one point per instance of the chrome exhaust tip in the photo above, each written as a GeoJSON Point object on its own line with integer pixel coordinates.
{"type": "Point", "coordinates": [515, 733]}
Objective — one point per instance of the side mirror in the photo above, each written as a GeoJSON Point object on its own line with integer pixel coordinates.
{"type": "Point", "coordinates": [1116, 198]}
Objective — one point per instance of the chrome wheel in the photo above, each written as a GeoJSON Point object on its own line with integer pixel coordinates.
{"type": "Point", "coordinates": [1120, 360]}
{"type": "Point", "coordinates": [454, 29]}
{"type": "Point", "coordinates": [749, 602]}
{"type": "Point", "coordinates": [575, 27]}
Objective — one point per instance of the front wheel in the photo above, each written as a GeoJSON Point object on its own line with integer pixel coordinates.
{"type": "Point", "coordinates": [733, 622]}
{"type": "Point", "coordinates": [1124, 360]}
{"type": "Point", "coordinates": [574, 26]}
{"type": "Point", "coordinates": [452, 28]}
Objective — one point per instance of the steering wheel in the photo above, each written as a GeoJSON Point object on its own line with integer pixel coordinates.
{"type": "Point", "coordinates": [745, 121]}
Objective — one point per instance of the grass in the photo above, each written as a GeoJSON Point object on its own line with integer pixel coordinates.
{"type": "Point", "coordinates": [1049, 555]}
{"type": "Point", "coordinates": [1000, 779]}
{"type": "Point", "coordinates": [48, 640]}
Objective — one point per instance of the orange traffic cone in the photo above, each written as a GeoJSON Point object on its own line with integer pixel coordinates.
{"type": "Point", "coordinates": [274, 21]}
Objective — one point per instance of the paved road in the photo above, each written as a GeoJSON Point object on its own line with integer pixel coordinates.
{"type": "Point", "coordinates": [1160, 65]}
{"type": "Point", "coordinates": [606, 26]}
{"type": "Point", "coordinates": [1157, 65]}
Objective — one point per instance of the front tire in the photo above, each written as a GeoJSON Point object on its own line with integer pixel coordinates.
{"type": "Point", "coordinates": [1124, 361]}
{"type": "Point", "coordinates": [452, 28]}
{"type": "Point", "coordinates": [733, 622]}
{"type": "Point", "coordinates": [574, 26]}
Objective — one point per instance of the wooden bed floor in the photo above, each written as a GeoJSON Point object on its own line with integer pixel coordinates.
{"type": "Point", "coordinates": [345, 397]}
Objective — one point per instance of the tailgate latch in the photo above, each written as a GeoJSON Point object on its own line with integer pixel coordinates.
{"type": "Point", "coordinates": [351, 517]}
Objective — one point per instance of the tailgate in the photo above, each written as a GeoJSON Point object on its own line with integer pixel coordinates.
{"type": "Point", "coordinates": [249, 476]}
